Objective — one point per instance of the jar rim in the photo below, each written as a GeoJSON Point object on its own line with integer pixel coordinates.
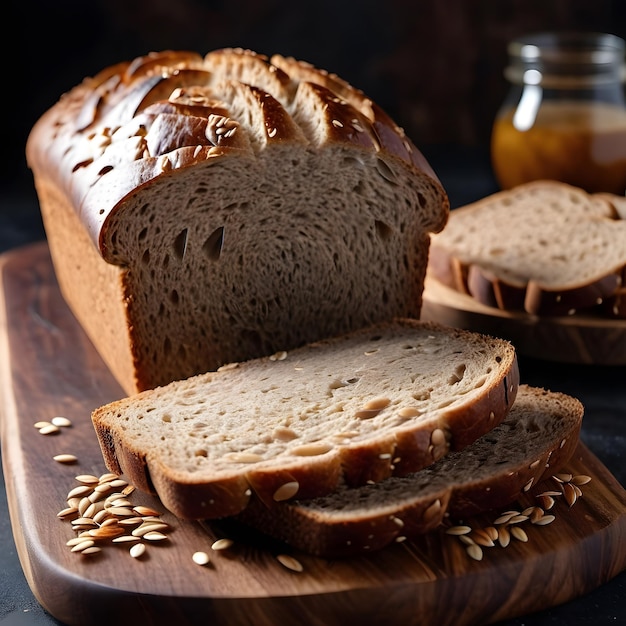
{"type": "Point", "coordinates": [568, 47]}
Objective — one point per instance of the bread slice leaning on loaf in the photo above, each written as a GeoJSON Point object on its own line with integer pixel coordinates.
{"type": "Point", "coordinates": [536, 439]}
{"type": "Point", "coordinates": [381, 401]}
{"type": "Point", "coordinates": [208, 209]}
{"type": "Point", "coordinates": [544, 247]}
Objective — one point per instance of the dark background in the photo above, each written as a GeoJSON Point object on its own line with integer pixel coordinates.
{"type": "Point", "coordinates": [435, 65]}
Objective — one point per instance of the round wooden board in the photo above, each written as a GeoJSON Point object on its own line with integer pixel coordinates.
{"type": "Point", "coordinates": [576, 339]}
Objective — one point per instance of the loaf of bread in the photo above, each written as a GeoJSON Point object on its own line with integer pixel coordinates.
{"type": "Point", "coordinates": [544, 247]}
{"type": "Point", "coordinates": [386, 400]}
{"type": "Point", "coordinates": [534, 442]}
{"type": "Point", "coordinates": [208, 209]}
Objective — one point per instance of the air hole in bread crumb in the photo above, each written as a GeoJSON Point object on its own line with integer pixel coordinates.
{"type": "Point", "coordinates": [384, 230]}
{"type": "Point", "coordinates": [203, 453]}
{"type": "Point", "coordinates": [360, 189]}
{"type": "Point", "coordinates": [457, 375]}
{"type": "Point", "coordinates": [212, 247]}
{"type": "Point", "coordinates": [167, 418]}
{"type": "Point", "coordinates": [180, 244]}
{"type": "Point", "coordinates": [480, 382]}
{"type": "Point", "coordinates": [422, 395]}
{"type": "Point", "coordinates": [142, 234]}
{"type": "Point", "coordinates": [105, 170]}
{"type": "Point", "coordinates": [174, 298]}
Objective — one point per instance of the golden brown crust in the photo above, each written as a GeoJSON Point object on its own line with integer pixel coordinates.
{"type": "Point", "coordinates": [77, 131]}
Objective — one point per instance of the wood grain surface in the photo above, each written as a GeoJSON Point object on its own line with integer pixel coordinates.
{"type": "Point", "coordinates": [577, 339]}
{"type": "Point", "coordinates": [48, 368]}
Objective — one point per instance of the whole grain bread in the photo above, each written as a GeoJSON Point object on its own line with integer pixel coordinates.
{"type": "Point", "coordinates": [360, 407]}
{"type": "Point", "coordinates": [544, 247]}
{"type": "Point", "coordinates": [536, 439]}
{"type": "Point", "coordinates": [208, 209]}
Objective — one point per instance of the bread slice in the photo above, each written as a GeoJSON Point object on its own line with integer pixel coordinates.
{"type": "Point", "coordinates": [544, 247]}
{"type": "Point", "coordinates": [204, 210]}
{"type": "Point", "coordinates": [381, 401]}
{"type": "Point", "coordinates": [536, 439]}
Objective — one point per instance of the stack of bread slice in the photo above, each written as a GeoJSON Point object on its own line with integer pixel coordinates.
{"type": "Point", "coordinates": [345, 445]}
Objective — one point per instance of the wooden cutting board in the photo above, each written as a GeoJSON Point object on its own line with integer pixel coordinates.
{"type": "Point", "coordinates": [49, 368]}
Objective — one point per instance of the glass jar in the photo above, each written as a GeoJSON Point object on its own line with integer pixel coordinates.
{"type": "Point", "coordinates": [564, 117]}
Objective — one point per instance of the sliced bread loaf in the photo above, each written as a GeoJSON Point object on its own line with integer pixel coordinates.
{"type": "Point", "coordinates": [536, 439]}
{"type": "Point", "coordinates": [545, 247]}
{"type": "Point", "coordinates": [381, 401]}
{"type": "Point", "coordinates": [204, 210]}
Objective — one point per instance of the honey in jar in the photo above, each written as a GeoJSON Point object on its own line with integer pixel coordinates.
{"type": "Point", "coordinates": [565, 116]}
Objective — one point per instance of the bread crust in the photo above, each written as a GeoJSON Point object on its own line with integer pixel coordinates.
{"type": "Point", "coordinates": [124, 93]}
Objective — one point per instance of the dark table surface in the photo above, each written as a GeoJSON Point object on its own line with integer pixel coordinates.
{"type": "Point", "coordinates": [466, 175]}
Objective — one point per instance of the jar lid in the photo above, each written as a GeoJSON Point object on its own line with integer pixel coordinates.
{"type": "Point", "coordinates": [566, 59]}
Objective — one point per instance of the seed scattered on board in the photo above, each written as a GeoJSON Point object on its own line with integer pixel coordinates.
{"type": "Point", "coordinates": [100, 511]}
{"type": "Point", "coordinates": [222, 544]}
{"type": "Point", "coordinates": [290, 562]}
{"type": "Point", "coordinates": [65, 458]}
{"type": "Point", "coordinates": [137, 550]}
{"type": "Point", "coordinates": [54, 426]}
{"type": "Point", "coordinates": [507, 525]}
{"type": "Point", "coordinates": [201, 558]}
{"type": "Point", "coordinates": [61, 422]}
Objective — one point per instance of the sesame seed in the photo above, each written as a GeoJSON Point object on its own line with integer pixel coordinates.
{"type": "Point", "coordinates": [200, 558]}
{"type": "Point", "coordinates": [50, 429]}
{"type": "Point", "coordinates": [61, 422]}
{"type": "Point", "coordinates": [290, 562]}
{"type": "Point", "coordinates": [137, 550]}
{"type": "Point", "coordinates": [222, 544]}
{"type": "Point", "coordinates": [286, 491]}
